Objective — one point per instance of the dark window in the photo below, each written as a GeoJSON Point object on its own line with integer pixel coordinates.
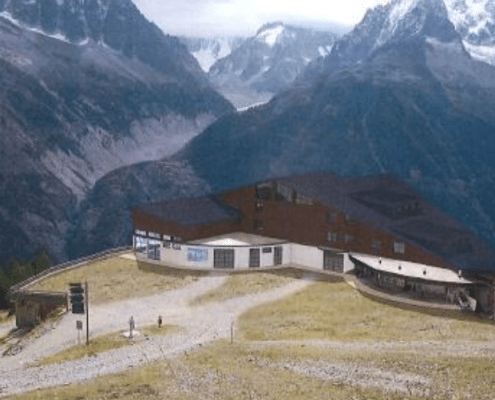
{"type": "Point", "coordinates": [331, 217]}
{"type": "Point", "coordinates": [223, 258]}
{"type": "Point", "coordinates": [333, 261]}
{"type": "Point", "coordinates": [377, 246]}
{"type": "Point", "coordinates": [332, 237]}
{"type": "Point", "coordinates": [267, 249]}
{"type": "Point", "coordinates": [258, 224]}
{"type": "Point", "coordinates": [348, 238]}
{"type": "Point", "coordinates": [399, 247]}
{"type": "Point", "coordinates": [277, 255]}
{"type": "Point", "coordinates": [254, 258]}
{"type": "Point", "coordinates": [258, 205]}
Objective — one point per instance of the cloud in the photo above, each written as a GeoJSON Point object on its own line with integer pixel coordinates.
{"type": "Point", "coordinates": [213, 17]}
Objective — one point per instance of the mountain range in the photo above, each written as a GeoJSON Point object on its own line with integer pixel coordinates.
{"type": "Point", "coordinates": [268, 62]}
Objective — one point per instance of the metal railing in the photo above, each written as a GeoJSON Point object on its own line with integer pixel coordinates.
{"type": "Point", "coordinates": [66, 266]}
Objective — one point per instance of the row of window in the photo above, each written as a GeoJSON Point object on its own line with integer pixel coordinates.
{"type": "Point", "coordinates": [334, 237]}
{"type": "Point", "coordinates": [398, 247]}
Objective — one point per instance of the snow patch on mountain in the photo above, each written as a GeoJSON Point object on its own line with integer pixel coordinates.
{"type": "Point", "coordinates": [271, 35]}
{"type": "Point", "coordinates": [8, 16]}
{"type": "Point", "coordinates": [485, 54]}
{"type": "Point", "coordinates": [208, 51]}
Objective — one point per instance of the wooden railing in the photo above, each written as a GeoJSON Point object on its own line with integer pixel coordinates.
{"type": "Point", "coordinates": [68, 265]}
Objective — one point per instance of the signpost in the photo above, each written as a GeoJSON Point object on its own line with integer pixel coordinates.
{"type": "Point", "coordinates": [79, 326]}
{"type": "Point", "coordinates": [87, 312]}
{"type": "Point", "coordinates": [79, 299]}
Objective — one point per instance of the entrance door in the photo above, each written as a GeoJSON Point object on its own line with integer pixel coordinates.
{"type": "Point", "coordinates": [254, 258]}
{"type": "Point", "coordinates": [277, 255]}
{"type": "Point", "coordinates": [333, 261]}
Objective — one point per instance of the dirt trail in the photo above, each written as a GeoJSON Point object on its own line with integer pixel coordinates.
{"type": "Point", "coordinates": [202, 324]}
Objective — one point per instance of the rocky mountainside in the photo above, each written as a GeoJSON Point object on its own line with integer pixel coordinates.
{"type": "Point", "coordinates": [209, 50]}
{"type": "Point", "coordinates": [268, 62]}
{"type": "Point", "coordinates": [87, 87]}
{"type": "Point", "coordinates": [398, 94]}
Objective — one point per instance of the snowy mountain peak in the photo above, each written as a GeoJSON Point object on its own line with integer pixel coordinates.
{"type": "Point", "coordinates": [270, 33]}
{"type": "Point", "coordinates": [408, 18]}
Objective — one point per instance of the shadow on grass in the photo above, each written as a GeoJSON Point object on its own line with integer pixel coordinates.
{"type": "Point", "coordinates": [170, 271]}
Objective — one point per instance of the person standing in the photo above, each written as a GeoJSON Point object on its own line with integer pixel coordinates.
{"type": "Point", "coordinates": [131, 326]}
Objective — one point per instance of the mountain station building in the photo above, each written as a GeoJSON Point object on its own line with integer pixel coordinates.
{"type": "Point", "coordinates": [374, 227]}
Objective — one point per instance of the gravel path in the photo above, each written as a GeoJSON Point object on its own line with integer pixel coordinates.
{"type": "Point", "coordinates": [202, 324]}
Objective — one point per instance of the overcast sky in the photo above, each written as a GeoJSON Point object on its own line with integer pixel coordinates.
{"type": "Point", "coordinates": [244, 17]}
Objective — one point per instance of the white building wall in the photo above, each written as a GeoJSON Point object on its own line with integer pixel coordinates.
{"type": "Point", "coordinates": [307, 256]}
{"type": "Point", "coordinates": [348, 264]}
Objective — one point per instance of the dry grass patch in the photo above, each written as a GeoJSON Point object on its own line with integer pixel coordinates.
{"type": "Point", "coordinates": [247, 371]}
{"type": "Point", "coordinates": [131, 278]}
{"type": "Point", "coordinates": [5, 317]}
{"type": "Point", "coordinates": [96, 345]}
{"type": "Point", "coordinates": [244, 283]}
{"type": "Point", "coordinates": [220, 371]}
{"type": "Point", "coordinates": [334, 310]}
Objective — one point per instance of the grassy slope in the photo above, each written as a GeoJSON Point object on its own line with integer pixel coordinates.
{"type": "Point", "coordinates": [336, 311]}
{"type": "Point", "coordinates": [132, 278]}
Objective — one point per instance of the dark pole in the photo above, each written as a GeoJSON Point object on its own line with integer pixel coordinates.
{"type": "Point", "coordinates": [86, 298]}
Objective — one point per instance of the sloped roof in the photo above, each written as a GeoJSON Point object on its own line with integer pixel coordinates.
{"type": "Point", "coordinates": [191, 211]}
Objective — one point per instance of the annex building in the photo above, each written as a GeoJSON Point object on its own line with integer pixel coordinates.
{"type": "Point", "coordinates": [375, 227]}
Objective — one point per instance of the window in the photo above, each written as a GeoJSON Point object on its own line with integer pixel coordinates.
{"type": "Point", "coordinates": [331, 217]}
{"type": "Point", "coordinates": [267, 250]}
{"type": "Point", "coordinates": [277, 255]}
{"type": "Point", "coordinates": [140, 244]}
{"type": "Point", "coordinates": [348, 238]}
{"type": "Point", "coordinates": [259, 205]}
{"type": "Point", "coordinates": [154, 249]}
{"type": "Point", "coordinates": [333, 261]}
{"type": "Point", "coordinates": [258, 224]}
{"type": "Point", "coordinates": [332, 237]}
{"type": "Point", "coordinates": [377, 246]}
{"type": "Point", "coordinates": [399, 247]}
{"type": "Point", "coordinates": [254, 258]}
{"type": "Point", "coordinates": [140, 232]}
{"type": "Point", "coordinates": [154, 235]}
{"type": "Point", "coordinates": [197, 255]}
{"type": "Point", "coordinates": [223, 258]}
{"type": "Point", "coordinates": [348, 219]}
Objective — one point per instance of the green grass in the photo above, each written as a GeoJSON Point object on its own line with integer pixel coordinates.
{"type": "Point", "coordinates": [244, 283]}
{"type": "Point", "coordinates": [336, 311]}
{"type": "Point", "coordinates": [118, 278]}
